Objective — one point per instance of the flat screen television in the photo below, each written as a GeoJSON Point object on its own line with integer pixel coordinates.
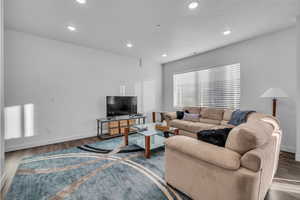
{"type": "Point", "coordinates": [121, 105]}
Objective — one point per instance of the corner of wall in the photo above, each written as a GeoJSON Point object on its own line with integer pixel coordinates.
{"type": "Point", "coordinates": [298, 92]}
{"type": "Point", "coordinates": [1, 95]}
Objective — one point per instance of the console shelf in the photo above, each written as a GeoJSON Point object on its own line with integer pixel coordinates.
{"type": "Point", "coordinates": [116, 126]}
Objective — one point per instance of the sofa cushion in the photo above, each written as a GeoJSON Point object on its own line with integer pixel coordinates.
{"type": "Point", "coordinates": [212, 113]}
{"type": "Point", "coordinates": [214, 155]}
{"type": "Point", "coordinates": [248, 136]}
{"type": "Point", "coordinates": [191, 117]}
{"type": "Point", "coordinates": [193, 127]}
{"type": "Point", "coordinates": [210, 121]}
{"type": "Point", "coordinates": [227, 114]}
{"type": "Point", "coordinates": [192, 110]}
{"type": "Point", "coordinates": [225, 123]}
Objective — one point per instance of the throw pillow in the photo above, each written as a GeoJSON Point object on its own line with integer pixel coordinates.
{"type": "Point", "coordinates": [179, 114]}
{"type": "Point", "coordinates": [215, 136]}
{"type": "Point", "coordinates": [191, 117]}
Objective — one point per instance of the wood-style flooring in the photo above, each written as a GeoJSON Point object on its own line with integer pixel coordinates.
{"type": "Point", "coordinates": [286, 184]}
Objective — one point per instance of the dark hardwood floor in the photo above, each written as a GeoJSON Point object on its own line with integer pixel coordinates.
{"type": "Point", "coordinates": [286, 184]}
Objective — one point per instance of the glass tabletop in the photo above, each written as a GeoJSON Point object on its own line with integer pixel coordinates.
{"type": "Point", "coordinates": [156, 136]}
{"type": "Point", "coordinates": [149, 129]}
{"type": "Point", "coordinates": [156, 141]}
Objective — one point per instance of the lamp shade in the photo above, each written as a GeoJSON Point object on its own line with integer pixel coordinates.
{"type": "Point", "coordinates": [274, 93]}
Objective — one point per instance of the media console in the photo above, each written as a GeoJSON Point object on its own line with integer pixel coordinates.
{"type": "Point", "coordinates": [116, 126]}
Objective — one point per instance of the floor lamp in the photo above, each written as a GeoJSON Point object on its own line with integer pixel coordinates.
{"type": "Point", "coordinates": [274, 93]}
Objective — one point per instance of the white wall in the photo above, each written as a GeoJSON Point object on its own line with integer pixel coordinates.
{"type": "Point", "coordinates": [68, 84]}
{"type": "Point", "coordinates": [298, 89]}
{"type": "Point", "coordinates": [1, 97]}
{"type": "Point", "coordinates": [266, 61]}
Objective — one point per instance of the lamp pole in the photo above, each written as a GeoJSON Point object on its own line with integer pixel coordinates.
{"type": "Point", "coordinates": [274, 106]}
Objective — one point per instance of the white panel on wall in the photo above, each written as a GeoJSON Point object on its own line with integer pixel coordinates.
{"type": "Point", "coordinates": [13, 122]}
{"type": "Point", "coordinates": [28, 120]}
{"type": "Point", "coordinates": [122, 90]}
{"type": "Point", "coordinates": [149, 103]}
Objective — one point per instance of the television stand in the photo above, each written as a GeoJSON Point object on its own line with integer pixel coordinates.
{"type": "Point", "coordinates": [116, 126]}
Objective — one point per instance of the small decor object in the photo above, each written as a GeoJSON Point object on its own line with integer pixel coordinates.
{"type": "Point", "coordinates": [274, 93]}
{"type": "Point", "coordinates": [142, 128]}
{"type": "Point", "coordinates": [161, 127]}
{"type": "Point", "coordinates": [164, 123]}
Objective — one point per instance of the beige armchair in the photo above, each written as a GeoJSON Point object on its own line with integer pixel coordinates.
{"type": "Point", "coordinates": [243, 170]}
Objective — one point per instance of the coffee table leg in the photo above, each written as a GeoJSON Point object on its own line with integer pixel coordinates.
{"type": "Point", "coordinates": [147, 146]}
{"type": "Point", "coordinates": [126, 132]}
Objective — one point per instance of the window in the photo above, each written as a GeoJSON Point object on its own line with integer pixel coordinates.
{"type": "Point", "coordinates": [217, 87]}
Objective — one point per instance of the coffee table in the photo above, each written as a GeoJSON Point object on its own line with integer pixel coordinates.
{"type": "Point", "coordinates": [152, 138]}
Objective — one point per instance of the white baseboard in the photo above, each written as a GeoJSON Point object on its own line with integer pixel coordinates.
{"type": "Point", "coordinates": [287, 149]}
{"type": "Point", "coordinates": [25, 143]}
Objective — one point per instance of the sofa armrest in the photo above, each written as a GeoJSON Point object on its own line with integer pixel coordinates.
{"type": "Point", "coordinates": [215, 155]}
{"type": "Point", "coordinates": [252, 160]}
{"type": "Point", "coordinates": [170, 115]}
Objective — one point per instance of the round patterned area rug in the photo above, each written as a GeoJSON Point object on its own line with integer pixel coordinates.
{"type": "Point", "coordinates": [104, 170]}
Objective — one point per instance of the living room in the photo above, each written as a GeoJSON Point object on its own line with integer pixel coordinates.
{"type": "Point", "coordinates": [68, 67]}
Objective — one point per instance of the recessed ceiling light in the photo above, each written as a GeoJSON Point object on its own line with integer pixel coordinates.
{"type": "Point", "coordinates": [71, 28]}
{"type": "Point", "coordinates": [129, 45]}
{"type": "Point", "coordinates": [193, 5]}
{"type": "Point", "coordinates": [164, 55]}
{"type": "Point", "coordinates": [81, 1]}
{"type": "Point", "coordinates": [227, 32]}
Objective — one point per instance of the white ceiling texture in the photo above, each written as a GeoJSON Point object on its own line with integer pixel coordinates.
{"type": "Point", "coordinates": [154, 27]}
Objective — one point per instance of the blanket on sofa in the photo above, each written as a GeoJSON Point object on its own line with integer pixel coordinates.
{"type": "Point", "coordinates": [239, 116]}
{"type": "Point", "coordinates": [215, 136]}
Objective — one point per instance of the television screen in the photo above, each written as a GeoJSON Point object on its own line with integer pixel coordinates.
{"type": "Point", "coordinates": [121, 105]}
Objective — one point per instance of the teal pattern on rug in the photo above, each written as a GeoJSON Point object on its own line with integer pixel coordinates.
{"type": "Point", "coordinates": [76, 174]}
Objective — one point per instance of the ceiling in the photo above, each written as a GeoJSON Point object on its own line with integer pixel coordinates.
{"type": "Point", "coordinates": [110, 24]}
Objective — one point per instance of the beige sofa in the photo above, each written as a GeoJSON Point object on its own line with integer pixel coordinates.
{"type": "Point", "coordinates": [243, 170]}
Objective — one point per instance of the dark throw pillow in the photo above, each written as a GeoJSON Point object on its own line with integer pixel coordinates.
{"type": "Point", "coordinates": [179, 114]}
{"type": "Point", "coordinates": [215, 136]}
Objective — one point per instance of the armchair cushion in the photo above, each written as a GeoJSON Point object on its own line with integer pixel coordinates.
{"type": "Point", "coordinates": [209, 153]}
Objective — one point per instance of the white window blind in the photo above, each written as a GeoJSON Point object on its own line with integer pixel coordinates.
{"type": "Point", "coordinates": [217, 87]}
